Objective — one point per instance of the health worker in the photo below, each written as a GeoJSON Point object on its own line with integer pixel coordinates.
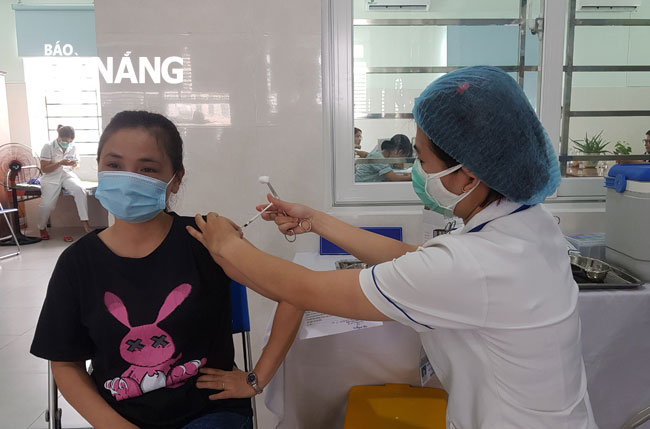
{"type": "Point", "coordinates": [495, 302]}
{"type": "Point", "coordinates": [58, 160]}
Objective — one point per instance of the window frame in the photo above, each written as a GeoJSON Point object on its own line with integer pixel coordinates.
{"type": "Point", "coordinates": [580, 188]}
{"type": "Point", "coordinates": [338, 88]}
{"type": "Point", "coordinates": [39, 104]}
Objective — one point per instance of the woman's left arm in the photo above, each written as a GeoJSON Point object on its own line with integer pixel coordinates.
{"type": "Point", "coordinates": [283, 331]}
{"type": "Point", "coordinates": [233, 383]}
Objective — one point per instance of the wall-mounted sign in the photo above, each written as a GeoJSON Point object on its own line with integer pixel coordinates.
{"type": "Point", "coordinates": [55, 30]}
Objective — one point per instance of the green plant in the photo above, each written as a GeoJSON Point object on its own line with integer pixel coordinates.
{"type": "Point", "coordinates": [595, 144]}
{"type": "Point", "coordinates": [622, 148]}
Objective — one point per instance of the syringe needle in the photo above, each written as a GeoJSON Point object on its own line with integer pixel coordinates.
{"type": "Point", "coordinates": [257, 215]}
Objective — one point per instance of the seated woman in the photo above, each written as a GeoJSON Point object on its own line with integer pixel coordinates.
{"type": "Point", "coordinates": [402, 145]}
{"type": "Point", "coordinates": [58, 159]}
{"type": "Point", "coordinates": [399, 146]}
{"type": "Point", "coordinates": [146, 302]}
{"type": "Point", "coordinates": [358, 136]}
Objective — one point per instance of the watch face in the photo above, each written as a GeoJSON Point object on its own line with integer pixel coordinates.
{"type": "Point", "coordinates": [250, 378]}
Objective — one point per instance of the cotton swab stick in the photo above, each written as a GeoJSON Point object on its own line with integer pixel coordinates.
{"type": "Point", "coordinates": [266, 180]}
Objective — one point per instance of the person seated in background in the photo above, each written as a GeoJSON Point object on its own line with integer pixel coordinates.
{"type": "Point", "coordinates": [58, 159]}
{"type": "Point", "coordinates": [357, 143]}
{"type": "Point", "coordinates": [402, 144]}
{"type": "Point", "coordinates": [398, 146]}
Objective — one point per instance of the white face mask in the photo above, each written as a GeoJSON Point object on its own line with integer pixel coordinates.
{"type": "Point", "coordinates": [440, 196]}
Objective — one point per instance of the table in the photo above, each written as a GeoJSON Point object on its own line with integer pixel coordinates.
{"type": "Point", "coordinates": [310, 389]}
{"type": "Point", "coordinates": [89, 186]}
{"type": "Point", "coordinates": [616, 351]}
{"type": "Point", "coordinates": [65, 213]}
{"type": "Point", "coordinates": [586, 172]}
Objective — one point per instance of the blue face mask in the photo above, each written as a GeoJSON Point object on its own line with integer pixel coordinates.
{"type": "Point", "coordinates": [131, 197]}
{"type": "Point", "coordinates": [64, 144]}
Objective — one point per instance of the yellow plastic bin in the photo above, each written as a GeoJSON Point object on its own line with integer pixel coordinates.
{"type": "Point", "coordinates": [394, 406]}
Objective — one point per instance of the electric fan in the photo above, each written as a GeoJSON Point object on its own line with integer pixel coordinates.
{"type": "Point", "coordinates": [18, 166]}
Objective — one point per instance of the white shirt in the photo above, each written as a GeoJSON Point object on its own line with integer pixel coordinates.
{"type": "Point", "coordinates": [496, 311]}
{"type": "Point", "coordinates": [54, 153]}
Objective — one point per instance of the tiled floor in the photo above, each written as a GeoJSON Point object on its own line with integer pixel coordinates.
{"type": "Point", "coordinates": [23, 377]}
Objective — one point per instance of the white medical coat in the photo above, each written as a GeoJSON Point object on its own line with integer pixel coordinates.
{"type": "Point", "coordinates": [496, 311]}
{"type": "Point", "coordinates": [54, 153]}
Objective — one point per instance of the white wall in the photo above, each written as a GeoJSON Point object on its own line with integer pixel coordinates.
{"type": "Point", "coordinates": [4, 113]}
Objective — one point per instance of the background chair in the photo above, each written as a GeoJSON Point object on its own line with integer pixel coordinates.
{"type": "Point", "coordinates": [240, 325]}
{"type": "Point", "coordinates": [4, 212]}
{"type": "Point", "coordinates": [396, 406]}
{"type": "Point", "coordinates": [637, 419]}
{"type": "Point", "coordinates": [18, 168]}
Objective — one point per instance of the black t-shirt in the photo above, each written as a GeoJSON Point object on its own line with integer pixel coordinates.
{"type": "Point", "coordinates": [147, 323]}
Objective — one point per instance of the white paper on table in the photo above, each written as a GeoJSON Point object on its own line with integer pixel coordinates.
{"type": "Point", "coordinates": [316, 324]}
{"type": "Point", "coordinates": [426, 370]}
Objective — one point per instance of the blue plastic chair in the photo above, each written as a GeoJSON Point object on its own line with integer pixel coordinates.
{"type": "Point", "coordinates": [240, 325]}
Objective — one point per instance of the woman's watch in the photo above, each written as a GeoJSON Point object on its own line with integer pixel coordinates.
{"type": "Point", "coordinates": [251, 379]}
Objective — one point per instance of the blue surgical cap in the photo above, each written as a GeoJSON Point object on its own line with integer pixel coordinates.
{"type": "Point", "coordinates": [481, 118]}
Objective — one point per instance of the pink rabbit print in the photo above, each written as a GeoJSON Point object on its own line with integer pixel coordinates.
{"type": "Point", "coordinates": [150, 351]}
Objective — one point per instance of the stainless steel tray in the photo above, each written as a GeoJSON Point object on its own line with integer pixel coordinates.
{"type": "Point", "coordinates": [616, 279]}
{"type": "Point", "coordinates": [350, 264]}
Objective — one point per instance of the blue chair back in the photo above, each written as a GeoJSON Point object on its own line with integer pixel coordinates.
{"type": "Point", "coordinates": [240, 319]}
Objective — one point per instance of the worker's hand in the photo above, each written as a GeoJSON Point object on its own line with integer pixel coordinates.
{"type": "Point", "coordinates": [215, 231]}
{"type": "Point", "coordinates": [67, 162]}
{"type": "Point", "coordinates": [288, 216]}
{"type": "Point", "coordinates": [231, 383]}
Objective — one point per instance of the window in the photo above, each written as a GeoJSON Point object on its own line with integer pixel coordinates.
{"type": "Point", "coordinates": [392, 55]}
{"type": "Point", "coordinates": [599, 85]}
{"type": "Point", "coordinates": [63, 91]}
{"type": "Point", "coordinates": [605, 95]}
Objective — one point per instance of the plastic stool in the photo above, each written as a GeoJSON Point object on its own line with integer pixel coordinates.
{"type": "Point", "coordinates": [394, 406]}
